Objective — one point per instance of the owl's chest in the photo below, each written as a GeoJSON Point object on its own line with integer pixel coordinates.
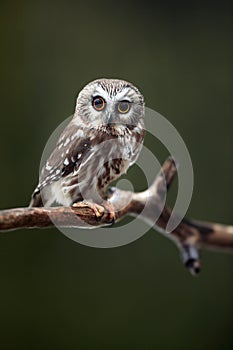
{"type": "Point", "coordinates": [116, 162]}
{"type": "Point", "coordinates": [105, 162]}
{"type": "Point", "coordinates": [110, 171]}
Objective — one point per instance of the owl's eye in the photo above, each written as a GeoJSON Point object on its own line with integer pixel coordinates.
{"type": "Point", "coordinates": [98, 103]}
{"type": "Point", "coordinates": [123, 107]}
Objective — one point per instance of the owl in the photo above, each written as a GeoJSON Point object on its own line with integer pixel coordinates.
{"type": "Point", "coordinates": [102, 141]}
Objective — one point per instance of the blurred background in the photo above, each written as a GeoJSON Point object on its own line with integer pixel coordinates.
{"type": "Point", "coordinates": [58, 294]}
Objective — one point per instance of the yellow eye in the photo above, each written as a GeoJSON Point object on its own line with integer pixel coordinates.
{"type": "Point", "coordinates": [123, 107]}
{"type": "Point", "coordinates": [98, 103]}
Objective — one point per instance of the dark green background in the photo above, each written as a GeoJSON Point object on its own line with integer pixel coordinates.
{"type": "Point", "coordinates": [55, 293]}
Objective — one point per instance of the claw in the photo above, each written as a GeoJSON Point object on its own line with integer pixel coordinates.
{"type": "Point", "coordinates": [97, 209]}
{"type": "Point", "coordinates": [111, 212]}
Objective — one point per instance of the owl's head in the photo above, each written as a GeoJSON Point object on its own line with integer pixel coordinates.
{"type": "Point", "coordinates": [109, 103]}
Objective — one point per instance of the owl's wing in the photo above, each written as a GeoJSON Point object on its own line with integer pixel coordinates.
{"type": "Point", "coordinates": [72, 146]}
{"type": "Point", "coordinates": [136, 146]}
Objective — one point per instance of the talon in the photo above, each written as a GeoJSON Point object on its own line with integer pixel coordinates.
{"type": "Point", "coordinates": [109, 208]}
{"type": "Point", "coordinates": [97, 209]}
{"type": "Point", "coordinates": [111, 217]}
{"type": "Point", "coordinates": [82, 204]}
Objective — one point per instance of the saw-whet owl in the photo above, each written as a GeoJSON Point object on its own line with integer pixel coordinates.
{"type": "Point", "coordinates": [102, 141]}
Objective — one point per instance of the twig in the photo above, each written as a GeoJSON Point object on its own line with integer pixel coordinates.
{"type": "Point", "coordinates": [189, 235]}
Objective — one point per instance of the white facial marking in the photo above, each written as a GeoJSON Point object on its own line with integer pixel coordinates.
{"type": "Point", "coordinates": [120, 96]}
{"type": "Point", "coordinates": [101, 92]}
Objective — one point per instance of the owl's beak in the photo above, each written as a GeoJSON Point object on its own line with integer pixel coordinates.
{"type": "Point", "coordinates": [109, 119]}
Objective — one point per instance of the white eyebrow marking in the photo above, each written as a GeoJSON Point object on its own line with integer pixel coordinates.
{"type": "Point", "coordinates": [117, 96]}
{"type": "Point", "coordinates": [121, 96]}
{"type": "Point", "coordinates": [101, 92]}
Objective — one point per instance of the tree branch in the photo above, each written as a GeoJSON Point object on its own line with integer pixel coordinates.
{"type": "Point", "coordinates": [189, 235]}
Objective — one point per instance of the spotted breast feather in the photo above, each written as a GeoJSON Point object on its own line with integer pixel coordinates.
{"type": "Point", "coordinates": [81, 166]}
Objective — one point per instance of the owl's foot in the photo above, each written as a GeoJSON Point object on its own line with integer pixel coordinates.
{"type": "Point", "coordinates": [97, 209]}
{"type": "Point", "coordinates": [110, 210]}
